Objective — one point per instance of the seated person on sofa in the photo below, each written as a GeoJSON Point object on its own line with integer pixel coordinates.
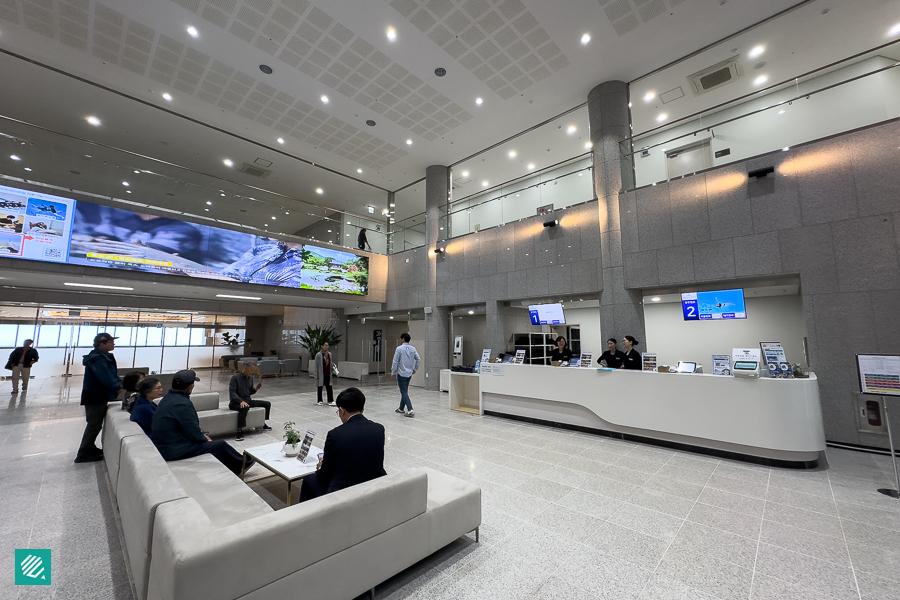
{"type": "Point", "coordinates": [354, 451]}
{"type": "Point", "coordinates": [148, 390]}
{"type": "Point", "coordinates": [239, 391]}
{"type": "Point", "coordinates": [175, 428]}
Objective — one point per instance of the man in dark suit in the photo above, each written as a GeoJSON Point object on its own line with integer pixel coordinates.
{"type": "Point", "coordinates": [354, 451]}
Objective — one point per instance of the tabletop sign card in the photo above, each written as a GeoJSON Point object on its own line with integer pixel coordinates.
{"type": "Point", "coordinates": [776, 361]}
{"type": "Point", "coordinates": [721, 364]}
{"type": "Point", "coordinates": [520, 357]}
{"type": "Point", "coordinates": [649, 362]}
{"type": "Point", "coordinates": [305, 445]}
{"type": "Point", "coordinates": [586, 358]}
{"type": "Point", "coordinates": [486, 355]}
{"type": "Point", "coordinates": [879, 374]}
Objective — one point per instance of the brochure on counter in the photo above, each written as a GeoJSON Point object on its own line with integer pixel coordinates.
{"type": "Point", "coordinates": [649, 361]}
{"type": "Point", "coordinates": [721, 364]}
{"type": "Point", "coordinates": [520, 357]}
{"type": "Point", "coordinates": [586, 358]}
{"type": "Point", "coordinates": [776, 361]}
{"type": "Point", "coordinates": [305, 445]}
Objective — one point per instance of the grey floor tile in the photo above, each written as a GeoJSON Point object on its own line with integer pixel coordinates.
{"type": "Point", "coordinates": [567, 523]}
{"type": "Point", "coordinates": [626, 474]}
{"type": "Point", "coordinates": [743, 471]}
{"type": "Point", "coordinates": [770, 588]}
{"type": "Point", "coordinates": [807, 572]}
{"type": "Point", "coordinates": [715, 577]}
{"type": "Point", "coordinates": [627, 544]}
{"type": "Point", "coordinates": [873, 559]}
{"type": "Point", "coordinates": [832, 549]}
{"type": "Point", "coordinates": [557, 589]}
{"type": "Point", "coordinates": [674, 487]}
{"type": "Point", "coordinates": [808, 483]}
{"type": "Point", "coordinates": [733, 502]}
{"type": "Point", "coordinates": [721, 545]}
{"type": "Point", "coordinates": [542, 488]}
{"type": "Point", "coordinates": [695, 462]}
{"type": "Point", "coordinates": [800, 500]}
{"type": "Point", "coordinates": [662, 502]}
{"type": "Point", "coordinates": [804, 519]}
{"type": "Point", "coordinates": [639, 465]}
{"type": "Point", "coordinates": [589, 503]}
{"type": "Point", "coordinates": [610, 487]}
{"type": "Point", "coordinates": [872, 587]}
{"type": "Point", "coordinates": [647, 521]}
{"type": "Point", "coordinates": [868, 534]}
{"type": "Point", "coordinates": [889, 519]}
{"type": "Point", "coordinates": [666, 588]}
{"type": "Point", "coordinates": [564, 476]}
{"type": "Point", "coordinates": [738, 486]}
{"type": "Point", "coordinates": [604, 576]}
{"type": "Point", "coordinates": [681, 473]}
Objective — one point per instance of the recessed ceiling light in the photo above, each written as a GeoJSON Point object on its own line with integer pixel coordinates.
{"type": "Point", "coordinates": [320, 191]}
{"type": "Point", "coordinates": [167, 96]}
{"type": "Point", "coordinates": [571, 129]}
{"type": "Point", "coordinates": [391, 34]}
{"type": "Point", "coordinates": [349, 223]}
{"type": "Point", "coordinates": [228, 162]}
{"type": "Point", "coordinates": [324, 99]}
{"type": "Point", "coordinates": [206, 209]}
{"type": "Point", "coordinates": [14, 157]}
{"type": "Point", "coordinates": [359, 170]}
{"type": "Point", "coordinates": [756, 51]}
{"type": "Point", "coordinates": [102, 287]}
{"type": "Point", "coordinates": [125, 183]}
{"type": "Point", "coordinates": [465, 173]}
{"type": "Point", "coordinates": [192, 31]}
{"type": "Point", "coordinates": [136, 171]}
{"type": "Point", "coordinates": [894, 30]}
{"type": "Point", "coordinates": [238, 297]}
{"type": "Point", "coordinates": [273, 218]}
{"type": "Point", "coordinates": [655, 299]}
{"type": "Point", "coordinates": [280, 140]}
{"type": "Point", "coordinates": [265, 224]}
{"type": "Point", "coordinates": [588, 145]}
{"type": "Point", "coordinates": [530, 166]}
{"type": "Point", "coordinates": [127, 191]}
{"type": "Point", "coordinates": [661, 117]}
{"type": "Point", "coordinates": [512, 153]}
{"type": "Point", "coordinates": [287, 212]}
{"type": "Point", "coordinates": [781, 112]}
{"type": "Point", "coordinates": [479, 101]}
{"type": "Point", "coordinates": [93, 121]}
{"type": "Point", "coordinates": [649, 96]}
{"type": "Point", "coordinates": [471, 312]}
{"type": "Point", "coordinates": [585, 39]}
{"type": "Point", "coordinates": [409, 142]}
{"type": "Point", "coordinates": [209, 203]}
{"type": "Point", "coordinates": [223, 195]}
{"type": "Point", "coordinates": [27, 168]}
{"type": "Point", "coordinates": [786, 148]}
{"type": "Point", "coordinates": [760, 80]}
{"type": "Point", "coordinates": [484, 183]}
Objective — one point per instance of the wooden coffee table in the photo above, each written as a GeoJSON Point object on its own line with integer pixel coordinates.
{"type": "Point", "coordinates": [288, 468]}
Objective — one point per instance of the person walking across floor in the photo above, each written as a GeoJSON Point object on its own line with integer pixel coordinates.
{"type": "Point", "coordinates": [406, 363]}
{"type": "Point", "coordinates": [175, 428]}
{"type": "Point", "coordinates": [324, 369]}
{"type": "Point", "coordinates": [362, 241]}
{"type": "Point", "coordinates": [240, 390]}
{"type": "Point", "coordinates": [20, 361]}
{"type": "Point", "coordinates": [101, 386]}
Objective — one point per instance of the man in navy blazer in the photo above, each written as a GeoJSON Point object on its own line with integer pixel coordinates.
{"type": "Point", "coordinates": [354, 451]}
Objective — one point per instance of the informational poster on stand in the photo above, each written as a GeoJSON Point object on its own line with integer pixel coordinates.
{"type": "Point", "coordinates": [776, 362]}
{"type": "Point", "coordinates": [520, 357]}
{"type": "Point", "coordinates": [721, 364]}
{"type": "Point", "coordinates": [879, 374]}
{"type": "Point", "coordinates": [586, 358]}
{"type": "Point", "coordinates": [648, 360]}
{"type": "Point", "coordinates": [486, 355]}
{"type": "Point", "coordinates": [305, 445]}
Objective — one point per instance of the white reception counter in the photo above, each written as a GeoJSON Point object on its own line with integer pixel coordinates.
{"type": "Point", "coordinates": [775, 419]}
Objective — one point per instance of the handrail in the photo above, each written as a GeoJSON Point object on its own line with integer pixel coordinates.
{"type": "Point", "coordinates": [758, 92]}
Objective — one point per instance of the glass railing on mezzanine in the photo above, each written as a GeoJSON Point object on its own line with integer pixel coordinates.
{"type": "Point", "coordinates": [854, 93]}
{"type": "Point", "coordinates": [560, 186]}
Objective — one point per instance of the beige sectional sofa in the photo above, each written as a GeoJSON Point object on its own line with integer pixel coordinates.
{"type": "Point", "coordinates": [194, 530]}
{"type": "Point", "coordinates": [218, 421]}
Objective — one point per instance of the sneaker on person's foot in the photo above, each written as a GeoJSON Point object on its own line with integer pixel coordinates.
{"type": "Point", "coordinates": [320, 403]}
{"type": "Point", "coordinates": [15, 391]}
{"type": "Point", "coordinates": [96, 451]}
{"type": "Point", "coordinates": [401, 411]}
{"type": "Point", "coordinates": [409, 414]}
{"type": "Point", "coordinates": [266, 427]}
{"type": "Point", "coordinates": [332, 404]}
{"type": "Point", "coordinates": [88, 458]}
{"type": "Point", "coordinates": [240, 436]}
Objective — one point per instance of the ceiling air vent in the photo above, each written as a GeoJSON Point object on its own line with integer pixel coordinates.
{"type": "Point", "coordinates": [254, 171]}
{"type": "Point", "coordinates": [715, 76]}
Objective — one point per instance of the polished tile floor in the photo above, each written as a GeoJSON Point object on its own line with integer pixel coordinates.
{"type": "Point", "coordinates": [565, 515]}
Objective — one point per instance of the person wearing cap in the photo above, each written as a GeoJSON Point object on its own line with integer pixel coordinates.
{"type": "Point", "coordinates": [100, 387]}
{"type": "Point", "coordinates": [175, 428]}
{"type": "Point", "coordinates": [20, 361]}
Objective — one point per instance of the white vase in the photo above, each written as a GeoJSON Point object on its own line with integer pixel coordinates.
{"type": "Point", "coordinates": [290, 450]}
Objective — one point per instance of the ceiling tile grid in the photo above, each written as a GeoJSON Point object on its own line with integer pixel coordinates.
{"type": "Point", "coordinates": [107, 34]}
{"type": "Point", "coordinates": [498, 41]}
{"type": "Point", "coordinates": [627, 15]}
{"type": "Point", "coordinates": [308, 39]}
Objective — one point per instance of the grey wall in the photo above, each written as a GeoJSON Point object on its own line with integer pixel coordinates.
{"type": "Point", "coordinates": [830, 212]}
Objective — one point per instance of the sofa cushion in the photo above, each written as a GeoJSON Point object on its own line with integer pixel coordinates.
{"type": "Point", "coordinates": [205, 401]}
{"type": "Point", "coordinates": [145, 482]}
{"type": "Point", "coordinates": [116, 427]}
{"type": "Point", "coordinates": [222, 495]}
{"type": "Point", "coordinates": [224, 420]}
{"type": "Point", "coordinates": [454, 505]}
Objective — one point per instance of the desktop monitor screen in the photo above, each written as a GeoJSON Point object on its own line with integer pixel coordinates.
{"type": "Point", "coordinates": [547, 314]}
{"type": "Point", "coordinates": [721, 304]}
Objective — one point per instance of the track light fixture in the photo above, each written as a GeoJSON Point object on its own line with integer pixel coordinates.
{"type": "Point", "coordinates": [552, 223]}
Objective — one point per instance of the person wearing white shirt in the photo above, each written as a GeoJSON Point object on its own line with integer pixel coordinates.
{"type": "Point", "coordinates": [406, 363]}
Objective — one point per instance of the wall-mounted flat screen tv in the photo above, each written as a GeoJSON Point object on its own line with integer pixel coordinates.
{"type": "Point", "coordinates": [547, 314]}
{"type": "Point", "coordinates": [721, 304]}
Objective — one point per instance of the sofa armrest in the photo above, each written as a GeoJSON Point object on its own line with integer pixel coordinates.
{"type": "Point", "coordinates": [454, 507]}
{"type": "Point", "coordinates": [205, 401]}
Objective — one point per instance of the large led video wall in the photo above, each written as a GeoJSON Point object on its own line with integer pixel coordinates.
{"type": "Point", "coordinates": [52, 229]}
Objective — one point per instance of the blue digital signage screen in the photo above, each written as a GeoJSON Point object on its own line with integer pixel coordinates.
{"type": "Point", "coordinates": [52, 229]}
{"type": "Point", "coordinates": [712, 306]}
{"type": "Point", "coordinates": [547, 314]}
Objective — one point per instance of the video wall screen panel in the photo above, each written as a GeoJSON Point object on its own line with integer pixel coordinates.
{"type": "Point", "coordinates": [51, 229]}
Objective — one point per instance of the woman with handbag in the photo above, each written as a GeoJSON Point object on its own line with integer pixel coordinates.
{"type": "Point", "coordinates": [325, 368]}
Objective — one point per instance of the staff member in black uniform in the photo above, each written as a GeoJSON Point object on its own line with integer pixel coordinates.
{"type": "Point", "coordinates": [632, 360]}
{"type": "Point", "coordinates": [562, 351]}
{"type": "Point", "coordinates": [613, 357]}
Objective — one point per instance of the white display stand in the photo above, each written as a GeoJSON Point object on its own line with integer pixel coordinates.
{"type": "Point", "coordinates": [465, 395]}
{"type": "Point", "coordinates": [353, 370]}
{"type": "Point", "coordinates": [445, 380]}
{"type": "Point", "coordinates": [778, 419]}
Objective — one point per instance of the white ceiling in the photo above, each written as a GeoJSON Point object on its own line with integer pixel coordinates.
{"type": "Point", "coordinates": [524, 59]}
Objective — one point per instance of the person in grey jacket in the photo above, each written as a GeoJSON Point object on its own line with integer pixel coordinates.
{"type": "Point", "coordinates": [323, 367]}
{"type": "Point", "coordinates": [240, 390]}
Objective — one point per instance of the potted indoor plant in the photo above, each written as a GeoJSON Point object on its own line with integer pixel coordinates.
{"type": "Point", "coordinates": [312, 339]}
{"type": "Point", "coordinates": [292, 439]}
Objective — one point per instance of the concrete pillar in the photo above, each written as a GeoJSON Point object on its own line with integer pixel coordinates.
{"type": "Point", "coordinates": [437, 345]}
{"type": "Point", "coordinates": [621, 312]}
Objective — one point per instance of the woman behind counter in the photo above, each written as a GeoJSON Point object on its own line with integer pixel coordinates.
{"type": "Point", "coordinates": [562, 351]}
{"type": "Point", "coordinates": [632, 360]}
{"type": "Point", "coordinates": [613, 357]}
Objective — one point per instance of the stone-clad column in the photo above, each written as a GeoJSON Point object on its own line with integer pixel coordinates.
{"type": "Point", "coordinates": [437, 193]}
{"type": "Point", "coordinates": [621, 312]}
